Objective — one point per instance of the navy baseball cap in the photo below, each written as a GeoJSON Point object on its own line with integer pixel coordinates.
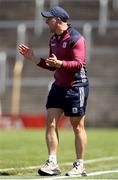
{"type": "Point", "coordinates": [56, 12]}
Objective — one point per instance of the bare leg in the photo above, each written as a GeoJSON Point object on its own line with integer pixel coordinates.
{"type": "Point", "coordinates": [52, 138]}
{"type": "Point", "coordinates": [80, 135]}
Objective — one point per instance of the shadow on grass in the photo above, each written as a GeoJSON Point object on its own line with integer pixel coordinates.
{"type": "Point", "coordinates": [4, 174]}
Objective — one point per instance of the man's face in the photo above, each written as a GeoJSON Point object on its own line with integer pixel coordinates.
{"type": "Point", "coordinates": [52, 23]}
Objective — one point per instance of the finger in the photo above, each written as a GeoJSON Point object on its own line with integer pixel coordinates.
{"type": "Point", "coordinates": [51, 59]}
{"type": "Point", "coordinates": [24, 46]}
{"type": "Point", "coordinates": [53, 55]}
{"type": "Point", "coordinates": [23, 49]}
{"type": "Point", "coordinates": [47, 64]}
{"type": "Point", "coordinates": [22, 53]}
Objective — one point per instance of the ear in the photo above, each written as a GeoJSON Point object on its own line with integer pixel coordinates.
{"type": "Point", "coordinates": [59, 20]}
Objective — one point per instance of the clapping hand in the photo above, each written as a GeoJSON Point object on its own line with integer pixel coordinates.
{"type": "Point", "coordinates": [53, 61]}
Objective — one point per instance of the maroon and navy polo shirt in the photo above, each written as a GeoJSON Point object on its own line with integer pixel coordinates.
{"type": "Point", "coordinates": [70, 48]}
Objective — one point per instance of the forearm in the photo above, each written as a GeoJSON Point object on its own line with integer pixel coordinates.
{"type": "Point", "coordinates": [75, 64]}
{"type": "Point", "coordinates": [42, 64]}
{"type": "Point", "coordinates": [34, 60]}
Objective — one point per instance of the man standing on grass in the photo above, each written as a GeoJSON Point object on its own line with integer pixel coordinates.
{"type": "Point", "coordinates": [69, 92]}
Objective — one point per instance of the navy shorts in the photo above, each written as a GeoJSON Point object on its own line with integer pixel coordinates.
{"type": "Point", "coordinates": [72, 100]}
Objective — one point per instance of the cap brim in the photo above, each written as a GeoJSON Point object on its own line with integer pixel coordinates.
{"type": "Point", "coordinates": [46, 14]}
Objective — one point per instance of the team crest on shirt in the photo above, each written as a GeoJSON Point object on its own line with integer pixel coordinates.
{"type": "Point", "coordinates": [64, 44]}
{"type": "Point", "coordinates": [74, 110]}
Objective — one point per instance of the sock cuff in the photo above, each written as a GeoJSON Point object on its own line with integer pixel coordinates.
{"type": "Point", "coordinates": [53, 158]}
{"type": "Point", "coordinates": [80, 160]}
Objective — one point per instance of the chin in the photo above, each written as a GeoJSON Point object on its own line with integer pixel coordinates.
{"type": "Point", "coordinates": [51, 31]}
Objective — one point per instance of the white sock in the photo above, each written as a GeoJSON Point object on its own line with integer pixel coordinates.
{"type": "Point", "coordinates": [80, 161]}
{"type": "Point", "coordinates": [53, 158]}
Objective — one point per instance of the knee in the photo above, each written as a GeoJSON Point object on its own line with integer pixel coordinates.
{"type": "Point", "coordinates": [51, 125]}
{"type": "Point", "coordinates": [78, 129]}
{"type": "Point", "coordinates": [78, 124]}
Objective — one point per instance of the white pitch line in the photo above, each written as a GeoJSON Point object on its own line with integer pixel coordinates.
{"type": "Point", "coordinates": [103, 172]}
{"type": "Point", "coordinates": [89, 174]}
{"type": "Point", "coordinates": [36, 167]}
{"type": "Point", "coordinates": [94, 160]}
{"type": "Point", "coordinates": [22, 168]}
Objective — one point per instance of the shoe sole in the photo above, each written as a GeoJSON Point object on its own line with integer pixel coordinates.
{"type": "Point", "coordinates": [83, 174]}
{"type": "Point", "coordinates": [42, 173]}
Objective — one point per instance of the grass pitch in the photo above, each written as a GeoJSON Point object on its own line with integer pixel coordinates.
{"type": "Point", "coordinates": [21, 148]}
